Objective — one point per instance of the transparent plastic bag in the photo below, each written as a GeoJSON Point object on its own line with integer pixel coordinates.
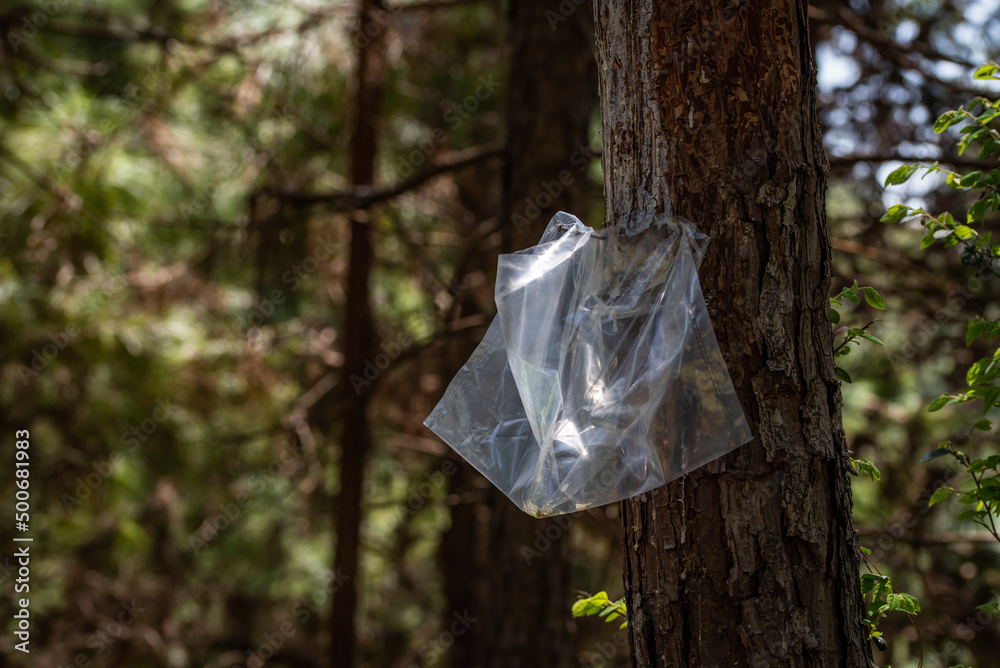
{"type": "Point", "coordinates": [600, 377]}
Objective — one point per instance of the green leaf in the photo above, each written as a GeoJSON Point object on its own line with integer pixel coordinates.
{"type": "Point", "coordinates": [978, 210]}
{"type": "Point", "coordinates": [983, 425]}
{"type": "Point", "coordinates": [873, 339]}
{"type": "Point", "coordinates": [991, 179]}
{"type": "Point", "coordinates": [874, 298]}
{"type": "Point", "coordinates": [990, 398]}
{"type": "Point", "coordinates": [977, 466]}
{"type": "Point", "coordinates": [981, 372]}
{"type": "Point", "coordinates": [989, 149]}
{"type": "Point", "coordinates": [872, 582]}
{"type": "Point", "coordinates": [933, 454]}
{"type": "Point", "coordinates": [590, 606]}
{"type": "Point", "coordinates": [904, 603]}
{"type": "Point", "coordinates": [969, 515]}
{"type": "Point", "coordinates": [986, 71]}
{"type": "Point", "coordinates": [843, 375]}
{"type": "Point", "coordinates": [896, 213]}
{"type": "Point", "coordinates": [971, 134]}
{"type": "Point", "coordinates": [834, 316]}
{"type": "Point", "coordinates": [939, 403]}
{"type": "Point", "coordinates": [940, 494]}
{"type": "Point", "coordinates": [971, 180]}
{"type": "Point", "coordinates": [992, 605]}
{"type": "Point", "coordinates": [901, 175]}
{"type": "Point", "coordinates": [948, 119]}
{"type": "Point", "coordinates": [974, 330]}
{"type": "Point", "coordinates": [964, 232]}
{"type": "Point", "coordinates": [865, 466]}
{"type": "Point", "coordinates": [852, 296]}
{"type": "Point", "coordinates": [987, 116]}
{"type": "Point", "coordinates": [865, 550]}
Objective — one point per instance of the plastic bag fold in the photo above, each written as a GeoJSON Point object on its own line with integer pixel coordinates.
{"type": "Point", "coordinates": [600, 377]}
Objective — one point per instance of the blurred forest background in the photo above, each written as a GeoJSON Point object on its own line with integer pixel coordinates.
{"type": "Point", "coordinates": [244, 246]}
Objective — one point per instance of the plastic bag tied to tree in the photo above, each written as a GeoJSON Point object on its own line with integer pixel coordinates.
{"type": "Point", "coordinates": [600, 377]}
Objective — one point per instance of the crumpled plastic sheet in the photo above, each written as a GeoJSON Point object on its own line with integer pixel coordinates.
{"type": "Point", "coordinates": [600, 377]}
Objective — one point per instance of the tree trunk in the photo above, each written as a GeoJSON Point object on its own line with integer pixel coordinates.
{"type": "Point", "coordinates": [709, 114]}
{"type": "Point", "coordinates": [359, 333]}
{"type": "Point", "coordinates": [552, 96]}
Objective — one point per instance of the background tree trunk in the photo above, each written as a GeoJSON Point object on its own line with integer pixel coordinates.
{"type": "Point", "coordinates": [552, 95]}
{"type": "Point", "coordinates": [709, 114]}
{"type": "Point", "coordinates": [359, 344]}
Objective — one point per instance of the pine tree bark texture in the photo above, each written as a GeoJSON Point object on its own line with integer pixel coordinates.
{"type": "Point", "coordinates": [709, 114]}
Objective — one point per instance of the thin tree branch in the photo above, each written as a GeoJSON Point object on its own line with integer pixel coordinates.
{"type": "Point", "coordinates": [130, 36]}
{"type": "Point", "coordinates": [896, 53]}
{"type": "Point", "coordinates": [363, 197]}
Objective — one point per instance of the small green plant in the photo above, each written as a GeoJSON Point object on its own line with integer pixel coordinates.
{"type": "Point", "coordinates": [982, 494]}
{"type": "Point", "coordinates": [866, 467]}
{"type": "Point", "coordinates": [876, 588]}
{"type": "Point", "coordinates": [881, 599]}
{"type": "Point", "coordinates": [978, 249]}
{"type": "Point", "coordinates": [853, 335]}
{"type": "Point", "coordinates": [600, 605]}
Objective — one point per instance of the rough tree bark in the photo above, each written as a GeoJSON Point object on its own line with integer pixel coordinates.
{"type": "Point", "coordinates": [709, 114]}
{"type": "Point", "coordinates": [552, 94]}
{"type": "Point", "coordinates": [358, 343]}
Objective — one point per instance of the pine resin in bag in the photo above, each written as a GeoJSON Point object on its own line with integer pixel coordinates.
{"type": "Point", "coordinates": [600, 377]}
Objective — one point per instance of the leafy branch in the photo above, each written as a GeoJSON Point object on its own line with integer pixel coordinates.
{"type": "Point", "coordinates": [854, 335]}
{"type": "Point", "coordinates": [600, 605]}
{"type": "Point", "coordinates": [876, 589]}
{"type": "Point", "coordinates": [985, 474]}
{"type": "Point", "coordinates": [978, 250]}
